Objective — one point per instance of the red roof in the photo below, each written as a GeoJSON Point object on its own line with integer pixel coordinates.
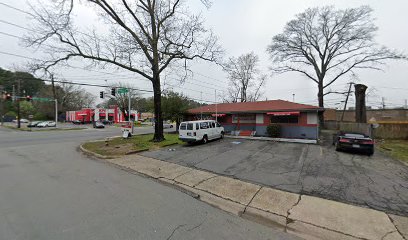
{"type": "Point", "coordinates": [262, 106]}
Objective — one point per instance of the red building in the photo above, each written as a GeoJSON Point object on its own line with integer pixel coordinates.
{"type": "Point", "coordinates": [87, 115]}
{"type": "Point", "coordinates": [297, 120]}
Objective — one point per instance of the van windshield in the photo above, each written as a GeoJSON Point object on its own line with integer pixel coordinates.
{"type": "Point", "coordinates": [183, 126]}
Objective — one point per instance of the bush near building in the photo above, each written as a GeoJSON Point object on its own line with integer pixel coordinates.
{"type": "Point", "coordinates": [274, 130]}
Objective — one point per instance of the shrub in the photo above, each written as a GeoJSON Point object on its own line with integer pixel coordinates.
{"type": "Point", "coordinates": [274, 130]}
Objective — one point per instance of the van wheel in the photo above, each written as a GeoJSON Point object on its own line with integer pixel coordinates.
{"type": "Point", "coordinates": [205, 139]}
{"type": "Point", "coordinates": [222, 135]}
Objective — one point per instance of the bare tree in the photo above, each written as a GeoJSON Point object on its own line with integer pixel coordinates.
{"type": "Point", "coordinates": [245, 78]}
{"type": "Point", "coordinates": [72, 97]}
{"type": "Point", "coordinates": [146, 37]}
{"type": "Point", "coordinates": [325, 44]}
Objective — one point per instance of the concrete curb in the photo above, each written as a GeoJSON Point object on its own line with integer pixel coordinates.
{"type": "Point", "coordinates": [94, 153]}
{"type": "Point", "coordinates": [302, 215]}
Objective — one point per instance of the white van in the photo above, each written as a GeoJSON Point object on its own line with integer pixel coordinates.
{"type": "Point", "coordinates": [202, 130]}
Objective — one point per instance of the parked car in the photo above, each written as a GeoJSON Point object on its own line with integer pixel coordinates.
{"type": "Point", "coordinates": [107, 122]}
{"type": "Point", "coordinates": [203, 130]}
{"type": "Point", "coordinates": [23, 120]}
{"type": "Point", "coordinates": [353, 141]}
{"type": "Point", "coordinates": [46, 124]}
{"type": "Point", "coordinates": [33, 124]}
{"type": "Point", "coordinates": [99, 125]}
{"type": "Point", "coordinates": [77, 122]}
{"type": "Point", "coordinates": [168, 125]}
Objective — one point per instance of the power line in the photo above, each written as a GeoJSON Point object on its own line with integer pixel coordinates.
{"type": "Point", "coordinates": [19, 26]}
{"type": "Point", "coordinates": [106, 86]}
{"type": "Point", "coordinates": [17, 9]}
{"type": "Point", "coordinates": [16, 25]}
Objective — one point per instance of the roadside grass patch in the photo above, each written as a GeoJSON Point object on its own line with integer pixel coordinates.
{"type": "Point", "coordinates": [16, 128]}
{"type": "Point", "coordinates": [137, 143]}
{"type": "Point", "coordinates": [395, 148]}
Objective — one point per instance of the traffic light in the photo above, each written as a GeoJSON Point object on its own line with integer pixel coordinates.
{"type": "Point", "coordinates": [113, 92]}
{"type": "Point", "coordinates": [101, 94]}
{"type": "Point", "coordinates": [29, 98]}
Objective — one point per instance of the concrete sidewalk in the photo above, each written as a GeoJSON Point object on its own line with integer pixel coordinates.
{"type": "Point", "coordinates": [305, 216]}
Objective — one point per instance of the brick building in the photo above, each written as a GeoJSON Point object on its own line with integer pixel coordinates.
{"type": "Point", "coordinates": [297, 120]}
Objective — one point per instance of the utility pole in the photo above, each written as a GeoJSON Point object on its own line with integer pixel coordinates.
{"type": "Point", "coordinates": [1, 104]}
{"type": "Point", "coordinates": [383, 102]}
{"type": "Point", "coordinates": [201, 108]}
{"type": "Point", "coordinates": [56, 112]}
{"type": "Point", "coordinates": [345, 103]}
{"type": "Point", "coordinates": [129, 102]}
{"type": "Point", "coordinates": [406, 104]}
{"type": "Point", "coordinates": [54, 94]}
{"type": "Point", "coordinates": [216, 114]}
{"type": "Point", "coordinates": [293, 97]}
{"type": "Point", "coordinates": [18, 103]}
{"type": "Point", "coordinates": [13, 98]}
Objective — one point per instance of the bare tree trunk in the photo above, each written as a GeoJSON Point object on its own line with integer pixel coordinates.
{"type": "Point", "coordinates": [320, 95]}
{"type": "Point", "coordinates": [158, 124]}
{"type": "Point", "coordinates": [361, 116]}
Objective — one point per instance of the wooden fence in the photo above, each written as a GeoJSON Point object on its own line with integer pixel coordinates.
{"type": "Point", "coordinates": [384, 130]}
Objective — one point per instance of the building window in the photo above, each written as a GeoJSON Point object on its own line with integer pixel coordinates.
{"type": "Point", "coordinates": [243, 118]}
{"type": "Point", "coordinates": [284, 119]}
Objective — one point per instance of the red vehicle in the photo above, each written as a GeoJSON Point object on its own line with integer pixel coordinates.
{"type": "Point", "coordinates": [353, 142]}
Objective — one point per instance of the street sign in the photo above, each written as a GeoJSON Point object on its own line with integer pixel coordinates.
{"type": "Point", "coordinates": [42, 99]}
{"type": "Point", "coordinates": [122, 90]}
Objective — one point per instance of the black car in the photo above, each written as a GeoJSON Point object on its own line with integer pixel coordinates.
{"type": "Point", "coordinates": [33, 124]}
{"type": "Point", "coordinates": [353, 141]}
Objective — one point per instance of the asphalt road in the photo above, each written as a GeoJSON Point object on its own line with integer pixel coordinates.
{"type": "Point", "coordinates": [49, 190]}
{"type": "Point", "coordinates": [377, 182]}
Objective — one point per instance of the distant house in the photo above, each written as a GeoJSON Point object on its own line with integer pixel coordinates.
{"type": "Point", "coordinates": [297, 120]}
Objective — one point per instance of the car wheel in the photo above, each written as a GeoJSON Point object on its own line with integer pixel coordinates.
{"type": "Point", "coordinates": [370, 152]}
{"type": "Point", "coordinates": [205, 139]}
{"type": "Point", "coordinates": [336, 145]}
{"type": "Point", "coordinates": [222, 135]}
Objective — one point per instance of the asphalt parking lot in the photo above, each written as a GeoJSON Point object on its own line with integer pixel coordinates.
{"type": "Point", "coordinates": [378, 181]}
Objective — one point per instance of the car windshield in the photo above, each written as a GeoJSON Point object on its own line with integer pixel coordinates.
{"type": "Point", "coordinates": [183, 126]}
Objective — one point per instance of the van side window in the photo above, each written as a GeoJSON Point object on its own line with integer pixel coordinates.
{"type": "Point", "coordinates": [183, 126]}
{"type": "Point", "coordinates": [190, 126]}
{"type": "Point", "coordinates": [213, 124]}
{"type": "Point", "coordinates": [218, 124]}
{"type": "Point", "coordinates": [209, 125]}
{"type": "Point", "coordinates": [197, 126]}
{"type": "Point", "coordinates": [203, 125]}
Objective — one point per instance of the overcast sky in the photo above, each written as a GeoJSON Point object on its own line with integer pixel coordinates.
{"type": "Point", "coordinates": [244, 26]}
